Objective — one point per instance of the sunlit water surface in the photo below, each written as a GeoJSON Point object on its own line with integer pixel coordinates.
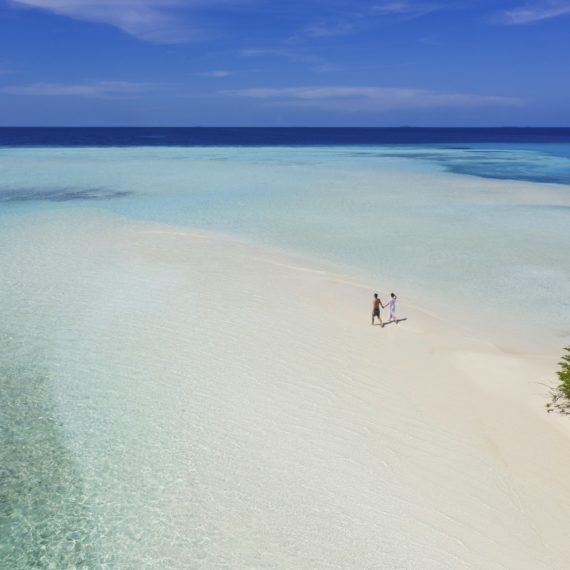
{"type": "Point", "coordinates": [397, 216]}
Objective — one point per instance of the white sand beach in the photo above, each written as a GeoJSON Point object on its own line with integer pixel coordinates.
{"type": "Point", "coordinates": [227, 406]}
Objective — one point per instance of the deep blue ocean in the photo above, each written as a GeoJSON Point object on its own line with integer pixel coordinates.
{"type": "Point", "coordinates": [530, 154]}
{"type": "Point", "coordinates": [262, 136]}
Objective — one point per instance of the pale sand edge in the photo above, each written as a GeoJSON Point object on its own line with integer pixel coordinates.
{"type": "Point", "coordinates": [499, 386]}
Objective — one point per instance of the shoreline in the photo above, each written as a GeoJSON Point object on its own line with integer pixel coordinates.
{"type": "Point", "coordinates": [459, 320]}
{"type": "Point", "coordinates": [487, 251]}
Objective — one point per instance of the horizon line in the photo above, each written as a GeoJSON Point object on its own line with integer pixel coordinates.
{"type": "Point", "coordinates": [273, 127]}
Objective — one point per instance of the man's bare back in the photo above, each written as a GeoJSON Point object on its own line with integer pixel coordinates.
{"type": "Point", "coordinates": [376, 304]}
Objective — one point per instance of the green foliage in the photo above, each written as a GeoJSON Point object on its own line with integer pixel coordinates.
{"type": "Point", "coordinates": [564, 373]}
{"type": "Point", "coordinates": [560, 401]}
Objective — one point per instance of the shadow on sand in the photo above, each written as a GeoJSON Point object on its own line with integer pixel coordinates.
{"type": "Point", "coordinates": [395, 322]}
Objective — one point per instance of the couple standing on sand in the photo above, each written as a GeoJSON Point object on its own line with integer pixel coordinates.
{"type": "Point", "coordinates": [377, 303]}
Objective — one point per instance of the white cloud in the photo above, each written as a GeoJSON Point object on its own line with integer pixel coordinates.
{"type": "Point", "coordinates": [254, 52]}
{"type": "Point", "coordinates": [293, 54]}
{"type": "Point", "coordinates": [535, 12]}
{"type": "Point", "coordinates": [407, 9]}
{"type": "Point", "coordinates": [353, 21]}
{"type": "Point", "coordinates": [150, 20]}
{"type": "Point", "coordinates": [215, 73]}
{"type": "Point", "coordinates": [327, 30]}
{"type": "Point", "coordinates": [100, 89]}
{"type": "Point", "coordinates": [355, 99]}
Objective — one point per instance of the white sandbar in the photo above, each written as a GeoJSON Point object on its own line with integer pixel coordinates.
{"type": "Point", "coordinates": [229, 407]}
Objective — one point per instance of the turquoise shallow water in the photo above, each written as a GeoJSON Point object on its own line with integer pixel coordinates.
{"type": "Point", "coordinates": [409, 218]}
{"type": "Point", "coordinates": [414, 220]}
{"type": "Point", "coordinates": [44, 514]}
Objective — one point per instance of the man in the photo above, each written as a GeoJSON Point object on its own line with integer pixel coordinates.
{"type": "Point", "coordinates": [376, 304]}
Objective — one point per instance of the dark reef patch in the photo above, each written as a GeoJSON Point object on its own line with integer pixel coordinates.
{"type": "Point", "coordinates": [497, 164]}
{"type": "Point", "coordinates": [59, 194]}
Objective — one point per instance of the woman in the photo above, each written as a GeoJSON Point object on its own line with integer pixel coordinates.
{"type": "Point", "coordinates": [392, 305]}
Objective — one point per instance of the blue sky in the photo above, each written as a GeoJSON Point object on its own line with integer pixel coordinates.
{"type": "Point", "coordinates": [295, 63]}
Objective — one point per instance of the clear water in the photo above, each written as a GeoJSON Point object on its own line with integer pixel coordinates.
{"type": "Point", "coordinates": [397, 216]}
{"type": "Point", "coordinates": [77, 441]}
{"type": "Point", "coordinates": [44, 513]}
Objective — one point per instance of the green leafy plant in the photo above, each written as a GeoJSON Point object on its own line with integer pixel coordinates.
{"type": "Point", "coordinates": [560, 400]}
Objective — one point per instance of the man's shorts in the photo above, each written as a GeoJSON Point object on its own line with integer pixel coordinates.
{"type": "Point", "coordinates": [376, 313]}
